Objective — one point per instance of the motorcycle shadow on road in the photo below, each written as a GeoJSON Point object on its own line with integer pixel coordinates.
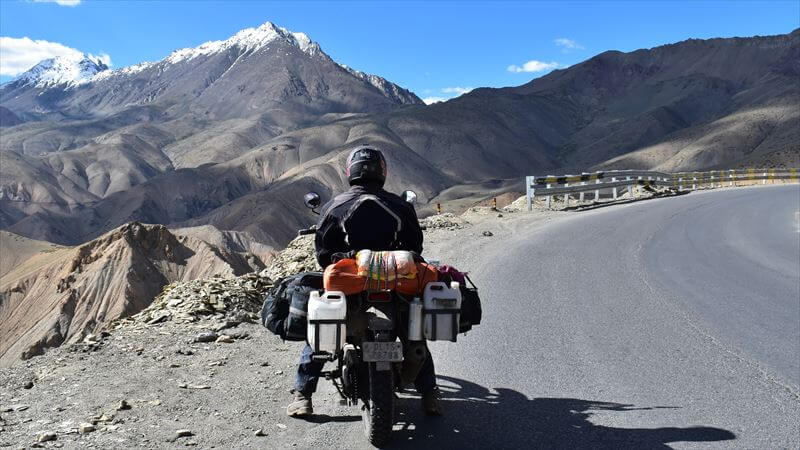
{"type": "Point", "coordinates": [504, 418]}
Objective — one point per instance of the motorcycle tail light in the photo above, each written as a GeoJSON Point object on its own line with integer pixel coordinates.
{"type": "Point", "coordinates": [379, 296]}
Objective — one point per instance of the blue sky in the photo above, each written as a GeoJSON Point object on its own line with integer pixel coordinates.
{"type": "Point", "coordinates": [436, 49]}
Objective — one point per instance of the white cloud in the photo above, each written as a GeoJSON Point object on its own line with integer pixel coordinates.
{"type": "Point", "coordinates": [20, 54]}
{"type": "Point", "coordinates": [431, 100]}
{"type": "Point", "coordinates": [533, 66]}
{"type": "Point", "coordinates": [456, 90]}
{"type": "Point", "coordinates": [60, 2]}
{"type": "Point", "coordinates": [102, 57]}
{"type": "Point", "coordinates": [568, 44]}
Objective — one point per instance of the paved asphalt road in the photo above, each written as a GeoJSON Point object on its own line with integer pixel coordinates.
{"type": "Point", "coordinates": [669, 322]}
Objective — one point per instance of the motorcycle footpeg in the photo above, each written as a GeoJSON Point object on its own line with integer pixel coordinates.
{"type": "Point", "coordinates": [332, 374]}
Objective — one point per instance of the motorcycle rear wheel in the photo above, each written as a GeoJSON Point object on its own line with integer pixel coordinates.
{"type": "Point", "coordinates": [378, 416]}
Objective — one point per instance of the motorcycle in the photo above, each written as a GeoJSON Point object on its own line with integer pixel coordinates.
{"type": "Point", "coordinates": [378, 357]}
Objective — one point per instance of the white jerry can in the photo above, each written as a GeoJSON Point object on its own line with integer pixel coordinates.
{"type": "Point", "coordinates": [415, 320]}
{"type": "Point", "coordinates": [327, 321]}
{"type": "Point", "coordinates": [442, 310]}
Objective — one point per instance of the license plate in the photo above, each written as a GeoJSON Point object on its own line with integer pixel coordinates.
{"type": "Point", "coordinates": [382, 351]}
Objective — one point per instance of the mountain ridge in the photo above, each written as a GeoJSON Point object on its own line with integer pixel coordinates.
{"type": "Point", "coordinates": [60, 70]}
{"type": "Point", "coordinates": [683, 106]}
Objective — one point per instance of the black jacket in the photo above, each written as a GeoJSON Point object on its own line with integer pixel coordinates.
{"type": "Point", "coordinates": [366, 218]}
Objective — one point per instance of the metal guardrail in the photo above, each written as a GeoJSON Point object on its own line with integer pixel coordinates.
{"type": "Point", "coordinates": [547, 186]}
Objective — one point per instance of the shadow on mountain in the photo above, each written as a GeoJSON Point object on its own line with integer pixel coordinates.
{"type": "Point", "coordinates": [476, 417]}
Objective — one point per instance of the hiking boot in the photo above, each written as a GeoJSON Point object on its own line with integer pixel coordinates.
{"type": "Point", "coordinates": [431, 404]}
{"type": "Point", "coordinates": [301, 406]}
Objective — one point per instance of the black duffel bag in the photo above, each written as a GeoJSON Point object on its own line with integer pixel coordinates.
{"type": "Point", "coordinates": [285, 308]}
{"type": "Point", "coordinates": [471, 311]}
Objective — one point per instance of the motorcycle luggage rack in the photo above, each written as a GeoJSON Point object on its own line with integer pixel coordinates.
{"type": "Point", "coordinates": [452, 312]}
{"type": "Point", "coordinates": [322, 356]}
{"type": "Point", "coordinates": [316, 323]}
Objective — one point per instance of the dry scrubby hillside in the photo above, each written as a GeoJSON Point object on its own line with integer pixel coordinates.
{"type": "Point", "coordinates": [61, 294]}
{"type": "Point", "coordinates": [716, 103]}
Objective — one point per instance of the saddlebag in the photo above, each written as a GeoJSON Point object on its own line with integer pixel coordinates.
{"type": "Point", "coordinates": [471, 310]}
{"type": "Point", "coordinates": [285, 308]}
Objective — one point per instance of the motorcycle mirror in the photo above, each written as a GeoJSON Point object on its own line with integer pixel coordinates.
{"type": "Point", "coordinates": [312, 200]}
{"type": "Point", "coordinates": [409, 196]}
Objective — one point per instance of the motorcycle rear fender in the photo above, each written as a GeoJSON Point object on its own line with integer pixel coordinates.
{"type": "Point", "coordinates": [381, 317]}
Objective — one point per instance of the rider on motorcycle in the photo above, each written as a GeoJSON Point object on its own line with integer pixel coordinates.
{"type": "Point", "coordinates": [364, 217]}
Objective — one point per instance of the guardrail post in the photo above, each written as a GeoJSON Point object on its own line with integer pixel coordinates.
{"type": "Point", "coordinates": [712, 179]}
{"type": "Point", "coordinates": [581, 197]}
{"type": "Point", "coordinates": [614, 189]}
{"type": "Point", "coordinates": [732, 174]}
{"type": "Point", "coordinates": [630, 188]}
{"type": "Point", "coordinates": [529, 192]}
{"type": "Point", "coordinates": [764, 181]}
{"type": "Point", "coordinates": [597, 191]}
{"type": "Point", "coordinates": [694, 183]}
{"type": "Point", "coordinates": [680, 184]}
{"type": "Point", "coordinates": [549, 197]}
{"type": "Point", "coordinates": [566, 196]}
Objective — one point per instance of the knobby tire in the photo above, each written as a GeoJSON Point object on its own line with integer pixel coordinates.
{"type": "Point", "coordinates": [379, 416]}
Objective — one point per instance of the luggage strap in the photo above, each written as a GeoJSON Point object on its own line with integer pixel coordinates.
{"type": "Point", "coordinates": [466, 277]}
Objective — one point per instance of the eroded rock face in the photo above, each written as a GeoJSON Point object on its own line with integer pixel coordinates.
{"type": "Point", "coordinates": [218, 303]}
{"type": "Point", "coordinates": [63, 295]}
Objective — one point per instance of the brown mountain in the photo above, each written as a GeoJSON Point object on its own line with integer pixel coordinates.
{"type": "Point", "coordinates": [696, 104]}
{"type": "Point", "coordinates": [60, 294]}
{"type": "Point", "coordinates": [85, 139]}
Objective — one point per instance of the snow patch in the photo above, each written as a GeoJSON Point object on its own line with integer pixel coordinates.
{"type": "Point", "coordinates": [386, 87]}
{"type": "Point", "coordinates": [70, 70]}
{"type": "Point", "coordinates": [130, 70]}
{"type": "Point", "coordinates": [249, 39]}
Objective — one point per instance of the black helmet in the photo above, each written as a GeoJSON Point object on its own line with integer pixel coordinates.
{"type": "Point", "coordinates": [366, 165]}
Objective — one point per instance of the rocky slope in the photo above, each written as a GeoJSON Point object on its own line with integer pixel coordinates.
{"type": "Point", "coordinates": [59, 295]}
{"type": "Point", "coordinates": [15, 249]}
{"type": "Point", "coordinates": [8, 118]}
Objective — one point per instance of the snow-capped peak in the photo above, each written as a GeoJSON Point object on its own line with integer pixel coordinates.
{"type": "Point", "coordinates": [61, 70]}
{"type": "Point", "coordinates": [248, 39]}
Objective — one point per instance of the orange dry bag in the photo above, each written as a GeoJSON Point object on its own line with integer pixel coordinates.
{"type": "Point", "coordinates": [426, 273]}
{"type": "Point", "coordinates": [343, 276]}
